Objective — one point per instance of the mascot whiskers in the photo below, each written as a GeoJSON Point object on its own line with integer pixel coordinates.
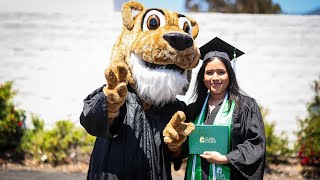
{"type": "Point", "coordinates": [136, 117]}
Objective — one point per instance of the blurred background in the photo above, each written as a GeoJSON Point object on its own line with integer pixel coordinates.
{"type": "Point", "coordinates": [55, 51]}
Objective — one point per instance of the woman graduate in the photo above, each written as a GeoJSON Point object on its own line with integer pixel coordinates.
{"type": "Point", "coordinates": [219, 101]}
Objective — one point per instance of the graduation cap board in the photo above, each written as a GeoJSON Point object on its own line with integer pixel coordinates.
{"type": "Point", "coordinates": [219, 48]}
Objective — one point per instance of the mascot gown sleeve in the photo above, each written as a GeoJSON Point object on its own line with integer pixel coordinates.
{"type": "Point", "coordinates": [132, 147]}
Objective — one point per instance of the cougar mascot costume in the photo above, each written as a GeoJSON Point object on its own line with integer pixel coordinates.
{"type": "Point", "coordinates": [138, 122]}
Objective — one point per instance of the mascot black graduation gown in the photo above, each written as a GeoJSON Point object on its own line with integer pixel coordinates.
{"type": "Point", "coordinates": [132, 147]}
{"type": "Point", "coordinates": [150, 64]}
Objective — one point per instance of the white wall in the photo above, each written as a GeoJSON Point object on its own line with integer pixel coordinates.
{"type": "Point", "coordinates": [57, 59]}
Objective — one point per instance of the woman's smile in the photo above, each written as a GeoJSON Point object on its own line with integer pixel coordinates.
{"type": "Point", "coordinates": [216, 78]}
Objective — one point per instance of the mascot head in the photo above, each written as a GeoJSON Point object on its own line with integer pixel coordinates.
{"type": "Point", "coordinates": [159, 50]}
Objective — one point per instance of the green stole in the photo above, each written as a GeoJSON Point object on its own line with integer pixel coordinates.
{"type": "Point", "coordinates": [223, 118]}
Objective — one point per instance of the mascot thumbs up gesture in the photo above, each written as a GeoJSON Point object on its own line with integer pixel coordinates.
{"type": "Point", "coordinates": [136, 117]}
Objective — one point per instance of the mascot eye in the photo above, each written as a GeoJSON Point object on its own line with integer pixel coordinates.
{"type": "Point", "coordinates": [185, 25]}
{"type": "Point", "coordinates": [153, 20]}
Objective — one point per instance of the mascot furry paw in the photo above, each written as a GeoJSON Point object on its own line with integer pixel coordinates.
{"type": "Point", "coordinates": [116, 91]}
{"type": "Point", "coordinates": [176, 131]}
{"type": "Point", "coordinates": [136, 117]}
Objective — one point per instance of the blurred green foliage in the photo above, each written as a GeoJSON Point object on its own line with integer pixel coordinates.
{"type": "Point", "coordinates": [277, 145]}
{"type": "Point", "coordinates": [64, 142]}
{"type": "Point", "coordinates": [308, 144]}
{"type": "Point", "coordinates": [58, 145]}
{"type": "Point", "coordinates": [11, 119]}
{"type": "Point", "coordinates": [236, 6]}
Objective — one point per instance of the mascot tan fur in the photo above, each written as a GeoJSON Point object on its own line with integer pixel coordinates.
{"type": "Point", "coordinates": [157, 43]}
{"type": "Point", "coordinates": [150, 64]}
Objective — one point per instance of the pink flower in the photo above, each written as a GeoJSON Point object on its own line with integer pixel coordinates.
{"type": "Point", "coordinates": [311, 152]}
{"type": "Point", "coordinates": [304, 161]}
{"type": "Point", "coordinates": [299, 154]}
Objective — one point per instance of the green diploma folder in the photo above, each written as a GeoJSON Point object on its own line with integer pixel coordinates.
{"type": "Point", "coordinates": [209, 138]}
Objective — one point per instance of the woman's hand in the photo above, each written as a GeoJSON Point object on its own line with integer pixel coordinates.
{"type": "Point", "coordinates": [214, 157]}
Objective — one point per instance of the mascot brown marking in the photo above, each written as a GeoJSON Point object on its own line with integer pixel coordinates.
{"type": "Point", "coordinates": [150, 64]}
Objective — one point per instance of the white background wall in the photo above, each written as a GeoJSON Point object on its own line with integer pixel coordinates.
{"type": "Point", "coordinates": [56, 59]}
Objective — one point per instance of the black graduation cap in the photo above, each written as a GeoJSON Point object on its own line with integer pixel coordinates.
{"type": "Point", "coordinates": [216, 44]}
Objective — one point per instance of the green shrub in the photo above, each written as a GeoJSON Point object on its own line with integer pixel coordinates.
{"type": "Point", "coordinates": [28, 142]}
{"type": "Point", "coordinates": [56, 145]}
{"type": "Point", "coordinates": [308, 145]}
{"type": "Point", "coordinates": [11, 119]}
{"type": "Point", "coordinates": [277, 145]}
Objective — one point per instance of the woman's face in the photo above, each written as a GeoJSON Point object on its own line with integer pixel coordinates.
{"type": "Point", "coordinates": [216, 78]}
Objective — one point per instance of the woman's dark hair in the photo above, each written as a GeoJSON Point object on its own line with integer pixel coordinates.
{"type": "Point", "coordinates": [200, 90]}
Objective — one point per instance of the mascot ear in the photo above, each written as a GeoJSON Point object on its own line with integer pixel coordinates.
{"type": "Point", "coordinates": [195, 27]}
{"type": "Point", "coordinates": [129, 11]}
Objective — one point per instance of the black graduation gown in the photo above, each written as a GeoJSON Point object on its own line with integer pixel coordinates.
{"type": "Point", "coordinates": [248, 141]}
{"type": "Point", "coordinates": [133, 147]}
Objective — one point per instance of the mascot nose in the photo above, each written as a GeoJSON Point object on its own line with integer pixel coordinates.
{"type": "Point", "coordinates": [178, 41]}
